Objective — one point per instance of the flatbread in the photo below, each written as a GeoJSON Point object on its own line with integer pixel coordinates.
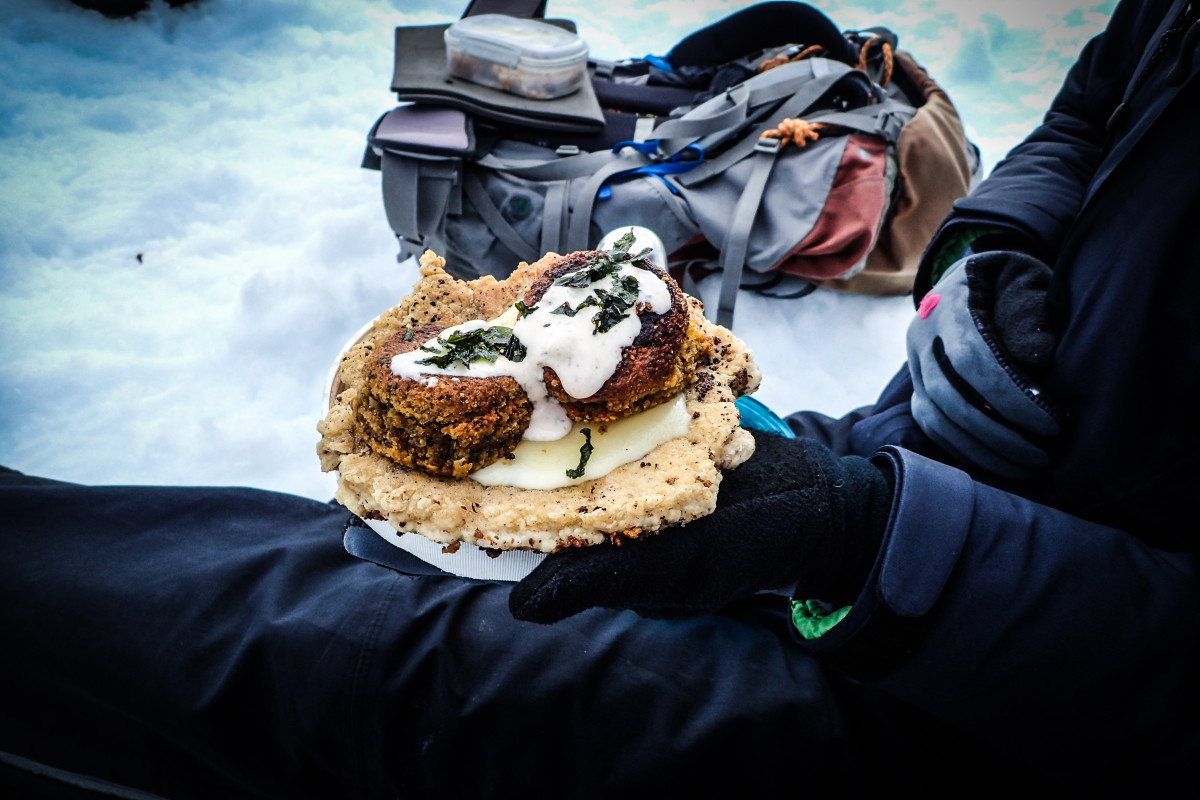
{"type": "Point", "coordinates": [674, 483]}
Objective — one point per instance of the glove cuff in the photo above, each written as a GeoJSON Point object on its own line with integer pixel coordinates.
{"type": "Point", "coordinates": [860, 502]}
{"type": "Point", "coordinates": [957, 241]}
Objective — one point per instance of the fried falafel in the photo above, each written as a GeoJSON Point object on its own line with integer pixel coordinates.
{"type": "Point", "coordinates": [454, 424]}
{"type": "Point", "coordinates": [658, 365]}
{"type": "Point", "coordinates": [443, 427]}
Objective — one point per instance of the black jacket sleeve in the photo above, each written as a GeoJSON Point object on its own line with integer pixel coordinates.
{"type": "Point", "coordinates": [1038, 188]}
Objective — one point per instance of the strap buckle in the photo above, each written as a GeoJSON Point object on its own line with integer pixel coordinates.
{"type": "Point", "coordinates": [888, 125]}
{"type": "Point", "coordinates": [768, 144]}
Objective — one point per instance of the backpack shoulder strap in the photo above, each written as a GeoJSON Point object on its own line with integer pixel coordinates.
{"type": "Point", "coordinates": [761, 27]}
{"type": "Point", "coordinates": [533, 9]}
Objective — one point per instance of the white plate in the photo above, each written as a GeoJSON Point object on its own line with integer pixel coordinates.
{"type": "Point", "coordinates": [468, 561]}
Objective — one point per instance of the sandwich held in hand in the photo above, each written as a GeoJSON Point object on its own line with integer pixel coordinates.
{"type": "Point", "coordinates": [583, 398]}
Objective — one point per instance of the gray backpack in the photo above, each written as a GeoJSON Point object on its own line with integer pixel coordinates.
{"type": "Point", "coordinates": [766, 148]}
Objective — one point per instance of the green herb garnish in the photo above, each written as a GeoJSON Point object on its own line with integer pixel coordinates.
{"type": "Point", "coordinates": [585, 452]}
{"type": "Point", "coordinates": [586, 276]}
{"type": "Point", "coordinates": [515, 351]}
{"type": "Point", "coordinates": [620, 249]}
{"type": "Point", "coordinates": [481, 344]}
{"type": "Point", "coordinates": [613, 305]}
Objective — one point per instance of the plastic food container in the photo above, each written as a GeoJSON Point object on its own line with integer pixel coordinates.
{"type": "Point", "coordinates": [525, 57]}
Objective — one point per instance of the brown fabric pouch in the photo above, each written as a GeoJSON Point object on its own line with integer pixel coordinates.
{"type": "Point", "coordinates": [937, 167]}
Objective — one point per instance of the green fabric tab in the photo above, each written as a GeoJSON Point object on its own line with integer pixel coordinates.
{"type": "Point", "coordinates": [813, 619]}
{"type": "Point", "coordinates": [958, 242]}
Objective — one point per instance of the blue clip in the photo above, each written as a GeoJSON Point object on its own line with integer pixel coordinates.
{"type": "Point", "coordinates": [672, 166]}
{"type": "Point", "coordinates": [647, 148]}
{"type": "Point", "coordinates": [660, 62]}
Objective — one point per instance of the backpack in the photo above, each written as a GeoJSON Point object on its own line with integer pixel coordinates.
{"type": "Point", "coordinates": [769, 151]}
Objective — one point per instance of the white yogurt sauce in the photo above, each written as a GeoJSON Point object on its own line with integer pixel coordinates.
{"type": "Point", "coordinates": [544, 465]}
{"type": "Point", "coordinates": [582, 358]}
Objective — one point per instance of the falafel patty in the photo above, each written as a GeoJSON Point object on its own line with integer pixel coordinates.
{"type": "Point", "coordinates": [657, 366]}
{"type": "Point", "coordinates": [454, 424]}
{"type": "Point", "coordinates": [444, 427]}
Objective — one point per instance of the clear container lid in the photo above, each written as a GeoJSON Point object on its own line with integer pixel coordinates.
{"type": "Point", "coordinates": [513, 41]}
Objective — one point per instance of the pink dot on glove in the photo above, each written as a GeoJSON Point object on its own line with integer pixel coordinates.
{"type": "Point", "coordinates": [928, 302]}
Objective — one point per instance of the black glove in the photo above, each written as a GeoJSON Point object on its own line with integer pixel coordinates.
{"type": "Point", "coordinates": [978, 349]}
{"type": "Point", "coordinates": [794, 517]}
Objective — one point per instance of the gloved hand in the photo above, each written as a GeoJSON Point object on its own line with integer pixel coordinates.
{"type": "Point", "coordinates": [977, 350]}
{"type": "Point", "coordinates": [793, 517]}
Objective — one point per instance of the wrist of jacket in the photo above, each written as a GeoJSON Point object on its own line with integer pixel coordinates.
{"type": "Point", "coordinates": [875, 632]}
{"type": "Point", "coordinates": [861, 498]}
{"type": "Point", "coordinates": [958, 240]}
{"type": "Point", "coordinates": [818, 603]}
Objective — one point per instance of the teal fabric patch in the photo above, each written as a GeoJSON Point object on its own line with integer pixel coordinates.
{"type": "Point", "coordinates": [813, 619]}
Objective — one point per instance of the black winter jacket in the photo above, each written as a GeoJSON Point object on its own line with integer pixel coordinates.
{"type": "Point", "coordinates": [1061, 620]}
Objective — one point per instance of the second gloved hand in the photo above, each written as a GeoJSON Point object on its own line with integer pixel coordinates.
{"type": "Point", "coordinates": [793, 517]}
{"type": "Point", "coordinates": [977, 348]}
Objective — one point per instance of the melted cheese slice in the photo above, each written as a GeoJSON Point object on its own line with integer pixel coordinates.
{"type": "Point", "coordinates": [544, 465]}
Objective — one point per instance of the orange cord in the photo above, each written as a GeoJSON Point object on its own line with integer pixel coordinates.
{"type": "Point", "coordinates": [800, 132]}
{"type": "Point", "coordinates": [888, 60]}
{"type": "Point", "coordinates": [816, 49]}
{"type": "Point", "coordinates": [781, 59]}
{"type": "Point", "coordinates": [797, 131]}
